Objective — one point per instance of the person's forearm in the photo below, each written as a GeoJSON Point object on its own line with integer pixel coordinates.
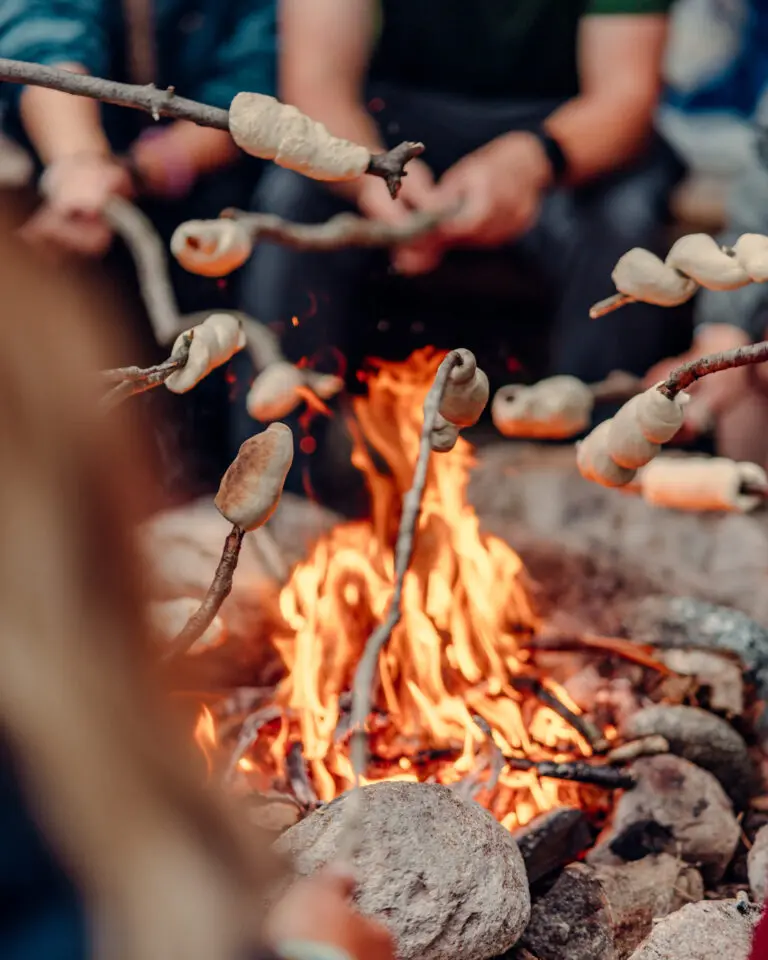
{"type": "Point", "coordinates": [60, 124]}
{"type": "Point", "coordinates": [600, 134]}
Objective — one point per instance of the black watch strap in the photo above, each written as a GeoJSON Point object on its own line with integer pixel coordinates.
{"type": "Point", "coordinates": [555, 154]}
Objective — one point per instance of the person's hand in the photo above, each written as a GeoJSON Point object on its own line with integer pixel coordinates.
{"type": "Point", "coordinates": [417, 193]}
{"type": "Point", "coordinates": [497, 191]}
{"type": "Point", "coordinates": [76, 190]}
{"type": "Point", "coordinates": [319, 909]}
{"type": "Point", "coordinates": [710, 396]}
{"type": "Point", "coordinates": [161, 161]}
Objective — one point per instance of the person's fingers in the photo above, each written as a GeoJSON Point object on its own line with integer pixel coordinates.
{"type": "Point", "coordinates": [412, 261]}
{"type": "Point", "coordinates": [337, 877]}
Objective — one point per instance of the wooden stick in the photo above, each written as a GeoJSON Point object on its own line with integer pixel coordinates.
{"type": "Point", "coordinates": [688, 373]}
{"type": "Point", "coordinates": [363, 683]}
{"type": "Point", "coordinates": [131, 381]}
{"type": "Point", "coordinates": [249, 733]}
{"type": "Point", "coordinates": [342, 231]}
{"type": "Point", "coordinates": [389, 166]}
{"type": "Point", "coordinates": [577, 771]}
{"type": "Point", "coordinates": [300, 782]}
{"type": "Point", "coordinates": [219, 590]}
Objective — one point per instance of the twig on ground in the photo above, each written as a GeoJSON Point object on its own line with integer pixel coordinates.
{"type": "Point", "coordinates": [366, 670]}
{"type": "Point", "coordinates": [577, 771]}
{"type": "Point", "coordinates": [218, 592]}
{"type": "Point", "coordinates": [641, 654]}
{"type": "Point", "coordinates": [131, 381]}
{"type": "Point", "coordinates": [165, 103]}
{"type": "Point", "coordinates": [148, 253]}
{"type": "Point", "coordinates": [343, 230]}
{"type": "Point", "coordinates": [300, 782]}
{"type": "Point", "coordinates": [643, 747]}
{"type": "Point", "coordinates": [688, 373]}
{"type": "Point", "coordinates": [581, 724]}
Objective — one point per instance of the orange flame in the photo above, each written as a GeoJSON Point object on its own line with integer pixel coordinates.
{"type": "Point", "coordinates": [205, 736]}
{"type": "Point", "coordinates": [465, 618]}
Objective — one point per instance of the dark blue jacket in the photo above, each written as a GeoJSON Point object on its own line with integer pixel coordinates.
{"type": "Point", "coordinates": [208, 49]}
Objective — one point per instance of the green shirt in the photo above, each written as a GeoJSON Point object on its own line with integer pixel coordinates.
{"type": "Point", "coordinates": [494, 49]}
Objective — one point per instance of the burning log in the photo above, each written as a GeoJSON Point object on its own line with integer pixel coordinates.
{"type": "Point", "coordinates": [603, 913]}
{"type": "Point", "coordinates": [704, 739]}
{"type": "Point", "coordinates": [604, 776]}
{"type": "Point", "coordinates": [444, 877]}
{"type": "Point", "coordinates": [708, 930]}
{"type": "Point", "coordinates": [686, 800]}
{"type": "Point", "coordinates": [260, 125]}
{"type": "Point", "coordinates": [582, 724]}
{"type": "Point", "coordinates": [552, 840]}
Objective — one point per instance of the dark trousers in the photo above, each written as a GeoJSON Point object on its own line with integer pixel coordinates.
{"type": "Point", "coordinates": [339, 300]}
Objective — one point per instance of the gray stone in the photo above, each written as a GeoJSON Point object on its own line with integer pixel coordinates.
{"type": "Point", "coordinates": [445, 878]}
{"type": "Point", "coordinates": [708, 930]}
{"type": "Point", "coordinates": [686, 800]}
{"type": "Point", "coordinates": [757, 865]}
{"type": "Point", "coordinates": [702, 738]}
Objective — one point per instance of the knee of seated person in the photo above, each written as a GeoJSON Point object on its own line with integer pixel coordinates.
{"type": "Point", "coordinates": [286, 194]}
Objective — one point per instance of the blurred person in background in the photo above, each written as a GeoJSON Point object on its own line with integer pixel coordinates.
{"type": "Point", "coordinates": [715, 111]}
{"type": "Point", "coordinates": [111, 845]}
{"type": "Point", "coordinates": [537, 117]}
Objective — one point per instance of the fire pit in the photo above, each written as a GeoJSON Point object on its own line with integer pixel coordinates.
{"type": "Point", "coordinates": [528, 697]}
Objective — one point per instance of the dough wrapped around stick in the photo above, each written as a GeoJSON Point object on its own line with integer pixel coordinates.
{"type": "Point", "coordinates": [277, 390]}
{"type": "Point", "coordinates": [211, 248]}
{"type": "Point", "coordinates": [555, 408]}
{"type": "Point", "coordinates": [215, 341]}
{"type": "Point", "coordinates": [641, 275]}
{"type": "Point", "coordinates": [701, 484]}
{"type": "Point", "coordinates": [700, 257]}
{"type": "Point", "coordinates": [444, 435]}
{"type": "Point", "coordinates": [612, 453]}
{"type": "Point", "coordinates": [751, 250]}
{"type": "Point", "coordinates": [466, 392]}
{"type": "Point", "coordinates": [252, 486]}
{"type": "Point", "coordinates": [265, 128]}
{"type": "Point", "coordinates": [594, 462]}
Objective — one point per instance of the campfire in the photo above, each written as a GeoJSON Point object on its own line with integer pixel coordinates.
{"type": "Point", "coordinates": [456, 669]}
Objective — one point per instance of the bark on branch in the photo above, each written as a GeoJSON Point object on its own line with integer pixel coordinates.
{"type": "Point", "coordinates": [389, 166]}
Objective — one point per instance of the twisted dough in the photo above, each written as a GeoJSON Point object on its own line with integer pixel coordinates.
{"type": "Point", "coordinates": [211, 248]}
{"type": "Point", "coordinates": [214, 341]}
{"type": "Point", "coordinates": [694, 261]}
{"type": "Point", "coordinates": [701, 483]}
{"type": "Point", "coordinates": [613, 452]}
{"type": "Point", "coordinates": [266, 128]}
{"type": "Point", "coordinates": [555, 408]}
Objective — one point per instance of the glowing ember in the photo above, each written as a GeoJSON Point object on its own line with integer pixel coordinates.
{"type": "Point", "coordinates": [460, 642]}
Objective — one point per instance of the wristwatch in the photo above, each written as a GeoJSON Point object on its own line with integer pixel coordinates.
{"type": "Point", "coordinates": [555, 154]}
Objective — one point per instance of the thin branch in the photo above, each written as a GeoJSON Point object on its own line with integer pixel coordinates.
{"type": "Point", "coordinates": [148, 253]}
{"type": "Point", "coordinates": [615, 302]}
{"type": "Point", "coordinates": [165, 103]}
{"type": "Point", "coordinates": [577, 771]}
{"type": "Point", "coordinates": [343, 230]}
{"type": "Point", "coordinates": [158, 103]}
{"type": "Point", "coordinates": [134, 380]}
{"type": "Point", "coordinates": [583, 725]}
{"type": "Point", "coordinates": [219, 590]}
{"type": "Point", "coordinates": [390, 166]}
{"type": "Point", "coordinates": [694, 370]}
{"type": "Point", "coordinates": [362, 686]}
